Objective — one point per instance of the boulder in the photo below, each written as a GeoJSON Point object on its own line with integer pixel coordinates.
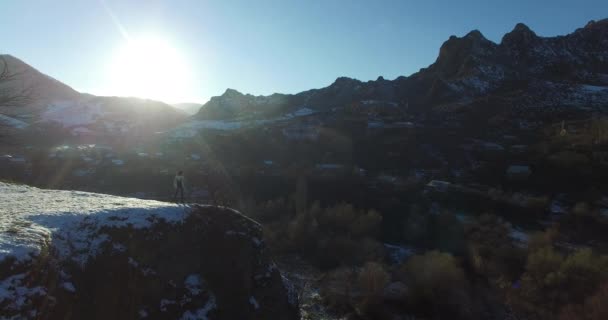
{"type": "Point", "coordinates": [78, 255]}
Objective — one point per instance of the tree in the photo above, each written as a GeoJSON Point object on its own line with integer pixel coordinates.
{"type": "Point", "coordinates": [11, 96]}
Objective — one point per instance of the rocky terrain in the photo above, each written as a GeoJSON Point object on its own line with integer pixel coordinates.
{"type": "Point", "coordinates": [75, 255]}
{"type": "Point", "coordinates": [537, 68]}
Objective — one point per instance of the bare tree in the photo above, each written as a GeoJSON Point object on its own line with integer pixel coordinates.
{"type": "Point", "coordinates": [11, 95]}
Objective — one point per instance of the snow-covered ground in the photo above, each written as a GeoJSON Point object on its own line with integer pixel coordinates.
{"type": "Point", "coordinates": [70, 221]}
{"type": "Point", "coordinates": [593, 89]}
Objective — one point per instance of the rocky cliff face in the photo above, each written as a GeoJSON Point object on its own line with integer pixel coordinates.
{"type": "Point", "coordinates": [467, 68]}
{"type": "Point", "coordinates": [76, 255]}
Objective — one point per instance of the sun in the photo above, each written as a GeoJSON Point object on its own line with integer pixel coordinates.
{"type": "Point", "coordinates": [152, 68]}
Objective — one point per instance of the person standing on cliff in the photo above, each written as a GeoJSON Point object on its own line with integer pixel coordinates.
{"type": "Point", "coordinates": [178, 184]}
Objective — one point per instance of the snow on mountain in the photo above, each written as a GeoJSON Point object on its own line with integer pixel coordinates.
{"type": "Point", "coordinates": [192, 128]}
{"type": "Point", "coordinates": [12, 122]}
{"type": "Point", "coordinates": [70, 221]}
{"type": "Point", "coordinates": [72, 113]}
{"type": "Point", "coordinates": [467, 68]}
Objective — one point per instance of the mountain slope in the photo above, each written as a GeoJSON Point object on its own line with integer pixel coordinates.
{"type": "Point", "coordinates": [187, 107]}
{"type": "Point", "coordinates": [56, 104]}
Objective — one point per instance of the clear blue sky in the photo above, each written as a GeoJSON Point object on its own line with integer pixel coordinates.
{"type": "Point", "coordinates": [262, 47]}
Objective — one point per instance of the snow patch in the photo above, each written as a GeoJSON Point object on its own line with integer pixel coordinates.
{"type": "Point", "coordinates": [520, 237]}
{"type": "Point", "coordinates": [68, 286]}
{"type": "Point", "coordinates": [70, 221]}
{"type": "Point", "coordinates": [590, 88]}
{"type": "Point", "coordinates": [202, 313]}
{"type": "Point", "coordinates": [194, 284]}
{"type": "Point", "coordinates": [12, 122]}
{"type": "Point", "coordinates": [254, 303]}
{"type": "Point", "coordinates": [398, 254]}
{"type": "Point", "coordinates": [72, 113]}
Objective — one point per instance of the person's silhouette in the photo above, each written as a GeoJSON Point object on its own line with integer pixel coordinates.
{"type": "Point", "coordinates": [178, 184]}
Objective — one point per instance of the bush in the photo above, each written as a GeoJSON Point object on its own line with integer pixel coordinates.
{"type": "Point", "coordinates": [437, 283]}
{"type": "Point", "coordinates": [552, 280]}
{"type": "Point", "coordinates": [540, 240]}
{"type": "Point", "coordinates": [328, 237]}
{"type": "Point", "coordinates": [448, 234]}
{"type": "Point", "coordinates": [346, 219]}
{"type": "Point", "coordinates": [491, 252]}
{"type": "Point", "coordinates": [416, 227]}
{"type": "Point", "coordinates": [337, 289]}
{"type": "Point", "coordinates": [351, 290]}
{"type": "Point", "coordinates": [372, 279]}
{"type": "Point", "coordinates": [594, 308]}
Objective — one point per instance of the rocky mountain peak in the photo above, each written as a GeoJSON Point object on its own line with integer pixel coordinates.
{"type": "Point", "coordinates": [456, 52]}
{"type": "Point", "coordinates": [597, 24]}
{"type": "Point", "coordinates": [475, 35]}
{"type": "Point", "coordinates": [344, 81]}
{"type": "Point", "coordinates": [231, 93]}
{"type": "Point", "coordinates": [521, 36]}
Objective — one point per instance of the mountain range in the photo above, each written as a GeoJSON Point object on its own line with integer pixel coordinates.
{"type": "Point", "coordinates": [523, 73]}
{"type": "Point", "coordinates": [529, 70]}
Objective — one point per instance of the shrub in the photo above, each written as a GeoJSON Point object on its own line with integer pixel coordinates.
{"type": "Point", "coordinates": [328, 237]}
{"type": "Point", "coordinates": [337, 288]}
{"type": "Point", "coordinates": [372, 279]}
{"type": "Point", "coordinates": [491, 251]}
{"type": "Point", "coordinates": [360, 291]}
{"type": "Point", "coordinates": [345, 218]}
{"type": "Point", "coordinates": [366, 224]}
{"type": "Point", "coordinates": [594, 308]}
{"type": "Point", "coordinates": [540, 240]}
{"type": "Point", "coordinates": [437, 283]}
{"type": "Point", "coordinates": [448, 233]}
{"type": "Point", "coordinates": [416, 226]}
{"type": "Point", "coordinates": [552, 280]}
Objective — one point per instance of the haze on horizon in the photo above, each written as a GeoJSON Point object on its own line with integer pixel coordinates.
{"type": "Point", "coordinates": [188, 51]}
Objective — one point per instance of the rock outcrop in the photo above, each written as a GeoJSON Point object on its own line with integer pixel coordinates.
{"type": "Point", "coordinates": [78, 255]}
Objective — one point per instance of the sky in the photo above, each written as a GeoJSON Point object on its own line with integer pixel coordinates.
{"type": "Point", "coordinates": [188, 51]}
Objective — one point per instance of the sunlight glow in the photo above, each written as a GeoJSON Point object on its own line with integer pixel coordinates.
{"type": "Point", "coordinates": [151, 68]}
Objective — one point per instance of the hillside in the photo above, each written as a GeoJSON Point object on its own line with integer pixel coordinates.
{"type": "Point", "coordinates": [59, 111]}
